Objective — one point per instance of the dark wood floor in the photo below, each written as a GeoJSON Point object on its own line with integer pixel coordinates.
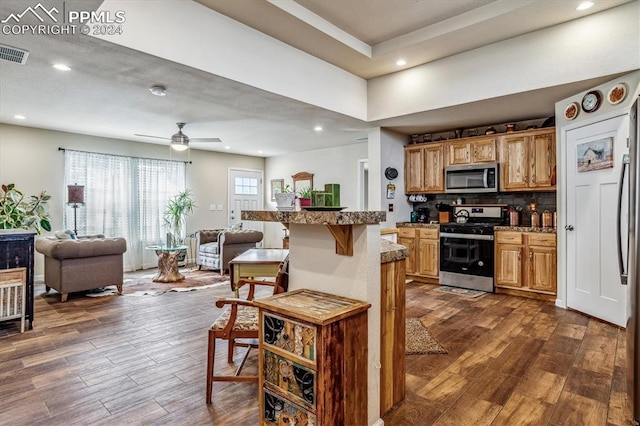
{"type": "Point", "coordinates": [141, 360]}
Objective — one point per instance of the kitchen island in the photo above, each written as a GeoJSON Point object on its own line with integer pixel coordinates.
{"type": "Point", "coordinates": [341, 253]}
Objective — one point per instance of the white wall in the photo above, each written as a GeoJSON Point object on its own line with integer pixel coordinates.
{"type": "Point", "coordinates": [601, 44]}
{"type": "Point", "coordinates": [392, 155]}
{"type": "Point", "coordinates": [30, 158]}
{"type": "Point", "coordinates": [331, 165]}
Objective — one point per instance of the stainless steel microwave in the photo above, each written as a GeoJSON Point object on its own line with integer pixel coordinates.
{"type": "Point", "coordinates": [472, 178]}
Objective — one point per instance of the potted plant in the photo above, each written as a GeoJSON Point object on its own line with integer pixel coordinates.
{"type": "Point", "coordinates": [285, 199]}
{"type": "Point", "coordinates": [304, 194]}
{"type": "Point", "coordinates": [178, 208]}
{"type": "Point", "coordinates": [16, 211]}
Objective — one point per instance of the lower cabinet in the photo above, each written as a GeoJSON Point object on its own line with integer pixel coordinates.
{"type": "Point", "coordinates": [424, 252]}
{"type": "Point", "coordinates": [526, 261]}
{"type": "Point", "coordinates": [392, 334]}
{"type": "Point", "coordinates": [313, 359]}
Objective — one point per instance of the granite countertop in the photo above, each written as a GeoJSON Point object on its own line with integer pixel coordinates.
{"type": "Point", "coordinates": [390, 252]}
{"type": "Point", "coordinates": [525, 229]}
{"type": "Point", "coordinates": [417, 225]}
{"type": "Point", "coordinates": [316, 217]}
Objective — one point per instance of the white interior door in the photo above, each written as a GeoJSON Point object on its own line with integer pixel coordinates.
{"type": "Point", "coordinates": [593, 279]}
{"type": "Point", "coordinates": [245, 193]}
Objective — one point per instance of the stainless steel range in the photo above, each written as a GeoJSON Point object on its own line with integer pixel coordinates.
{"type": "Point", "coordinates": [467, 249]}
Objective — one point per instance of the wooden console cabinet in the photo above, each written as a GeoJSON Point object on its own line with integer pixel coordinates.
{"type": "Point", "coordinates": [16, 251]}
{"type": "Point", "coordinates": [424, 252]}
{"type": "Point", "coordinates": [313, 359]}
{"type": "Point", "coordinates": [526, 262]}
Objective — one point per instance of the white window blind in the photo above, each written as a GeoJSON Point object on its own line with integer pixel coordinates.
{"type": "Point", "coordinates": [124, 197]}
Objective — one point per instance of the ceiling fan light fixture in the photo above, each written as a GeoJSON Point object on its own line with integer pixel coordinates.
{"type": "Point", "coordinates": [180, 145]}
{"type": "Point", "coordinates": [180, 141]}
{"type": "Point", "coordinates": [158, 90]}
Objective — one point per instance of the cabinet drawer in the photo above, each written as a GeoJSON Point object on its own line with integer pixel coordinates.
{"type": "Point", "coordinates": [290, 336]}
{"type": "Point", "coordinates": [506, 237]}
{"type": "Point", "coordinates": [278, 411]}
{"type": "Point", "coordinates": [541, 239]}
{"type": "Point", "coordinates": [295, 381]}
{"type": "Point", "coordinates": [429, 233]}
{"type": "Point", "coordinates": [407, 232]}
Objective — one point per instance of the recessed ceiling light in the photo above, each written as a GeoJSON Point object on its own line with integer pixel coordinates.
{"type": "Point", "coordinates": [227, 147]}
{"type": "Point", "coordinates": [401, 62]}
{"type": "Point", "coordinates": [584, 5]}
{"type": "Point", "coordinates": [19, 117]}
{"type": "Point", "coordinates": [318, 128]}
{"type": "Point", "coordinates": [158, 90]}
{"type": "Point", "coordinates": [260, 152]}
{"type": "Point", "coordinates": [61, 67]}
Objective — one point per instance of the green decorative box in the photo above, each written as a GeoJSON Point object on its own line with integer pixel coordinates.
{"type": "Point", "coordinates": [334, 190]}
{"type": "Point", "coordinates": [321, 199]}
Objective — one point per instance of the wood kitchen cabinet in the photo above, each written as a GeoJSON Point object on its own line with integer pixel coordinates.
{"type": "Point", "coordinates": [407, 238]}
{"type": "Point", "coordinates": [526, 261]}
{"type": "Point", "coordinates": [392, 334]}
{"type": "Point", "coordinates": [528, 160]}
{"type": "Point", "coordinates": [423, 244]}
{"type": "Point", "coordinates": [424, 168]}
{"type": "Point", "coordinates": [470, 151]}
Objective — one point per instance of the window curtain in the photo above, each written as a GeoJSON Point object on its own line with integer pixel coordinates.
{"type": "Point", "coordinates": [124, 197]}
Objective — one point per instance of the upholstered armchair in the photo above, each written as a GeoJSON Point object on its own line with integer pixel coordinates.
{"type": "Point", "coordinates": [216, 247]}
{"type": "Point", "coordinates": [81, 264]}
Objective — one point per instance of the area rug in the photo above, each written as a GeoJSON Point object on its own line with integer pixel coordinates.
{"type": "Point", "coordinates": [460, 291]}
{"type": "Point", "coordinates": [419, 341]}
{"type": "Point", "coordinates": [143, 285]}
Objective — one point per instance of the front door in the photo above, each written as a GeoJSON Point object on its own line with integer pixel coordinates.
{"type": "Point", "coordinates": [245, 193]}
{"type": "Point", "coordinates": [593, 279]}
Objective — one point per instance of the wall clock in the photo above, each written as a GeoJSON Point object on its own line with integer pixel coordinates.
{"type": "Point", "coordinates": [591, 101]}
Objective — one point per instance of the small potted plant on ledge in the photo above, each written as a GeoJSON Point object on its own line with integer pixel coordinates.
{"type": "Point", "coordinates": [304, 195]}
{"type": "Point", "coordinates": [285, 199]}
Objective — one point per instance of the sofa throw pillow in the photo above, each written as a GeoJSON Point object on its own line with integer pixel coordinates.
{"type": "Point", "coordinates": [65, 235]}
{"type": "Point", "coordinates": [235, 228]}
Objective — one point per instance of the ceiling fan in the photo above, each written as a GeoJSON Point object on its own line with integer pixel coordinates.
{"type": "Point", "coordinates": [180, 141]}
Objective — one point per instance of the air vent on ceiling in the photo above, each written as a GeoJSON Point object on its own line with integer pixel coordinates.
{"type": "Point", "coordinates": [13, 54]}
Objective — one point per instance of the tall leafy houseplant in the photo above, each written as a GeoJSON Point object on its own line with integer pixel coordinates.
{"type": "Point", "coordinates": [178, 208]}
{"type": "Point", "coordinates": [18, 211]}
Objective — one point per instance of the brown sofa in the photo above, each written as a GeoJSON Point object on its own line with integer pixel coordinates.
{"type": "Point", "coordinates": [83, 264]}
{"type": "Point", "coordinates": [216, 247]}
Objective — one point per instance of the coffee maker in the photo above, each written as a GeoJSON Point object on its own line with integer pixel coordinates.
{"type": "Point", "coordinates": [423, 215]}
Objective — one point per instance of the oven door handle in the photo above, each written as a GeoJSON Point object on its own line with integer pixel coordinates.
{"type": "Point", "coordinates": [466, 236]}
{"type": "Point", "coordinates": [485, 178]}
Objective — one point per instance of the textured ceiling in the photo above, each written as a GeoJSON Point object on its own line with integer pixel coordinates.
{"type": "Point", "coordinates": [106, 93]}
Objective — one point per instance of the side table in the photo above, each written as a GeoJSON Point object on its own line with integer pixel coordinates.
{"type": "Point", "coordinates": [168, 271]}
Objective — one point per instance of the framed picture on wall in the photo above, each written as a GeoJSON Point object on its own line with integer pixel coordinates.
{"type": "Point", "coordinates": [276, 187]}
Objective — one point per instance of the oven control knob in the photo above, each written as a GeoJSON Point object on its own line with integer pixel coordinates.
{"type": "Point", "coordinates": [480, 263]}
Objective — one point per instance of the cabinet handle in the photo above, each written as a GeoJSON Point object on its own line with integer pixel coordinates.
{"type": "Point", "coordinates": [533, 179]}
{"type": "Point", "coordinates": [519, 254]}
{"type": "Point", "coordinates": [530, 255]}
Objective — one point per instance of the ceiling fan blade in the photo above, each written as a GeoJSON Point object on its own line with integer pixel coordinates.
{"type": "Point", "coordinates": [205, 139]}
{"type": "Point", "coordinates": [149, 136]}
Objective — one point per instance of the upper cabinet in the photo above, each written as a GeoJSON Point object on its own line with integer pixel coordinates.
{"type": "Point", "coordinates": [528, 161]}
{"type": "Point", "coordinates": [424, 168]}
{"type": "Point", "coordinates": [470, 151]}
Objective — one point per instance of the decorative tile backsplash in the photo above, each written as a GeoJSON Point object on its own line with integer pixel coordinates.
{"type": "Point", "coordinates": [544, 201]}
